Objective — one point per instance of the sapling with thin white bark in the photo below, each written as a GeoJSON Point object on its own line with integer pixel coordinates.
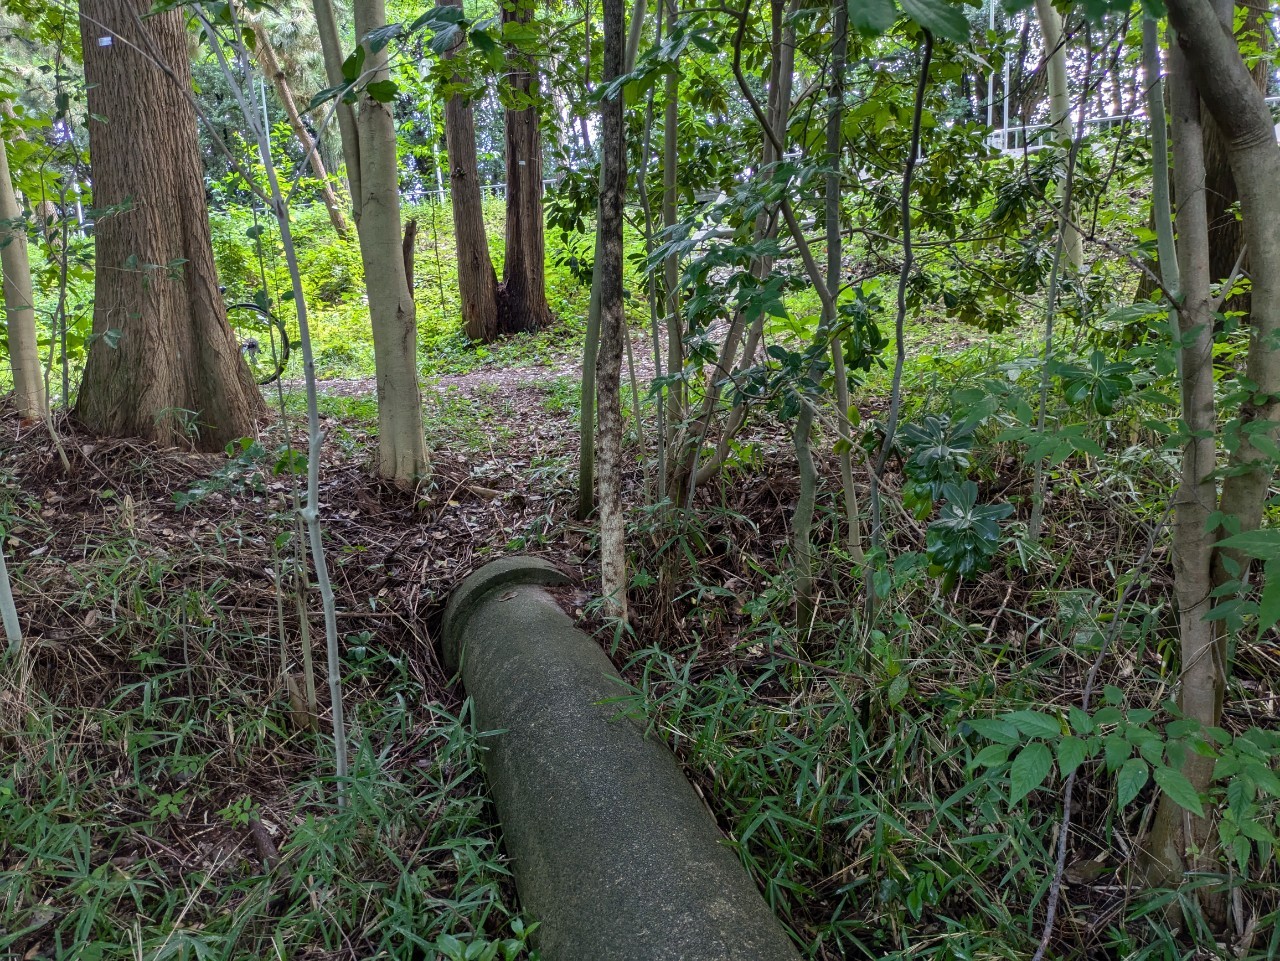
{"type": "Point", "coordinates": [310, 512]}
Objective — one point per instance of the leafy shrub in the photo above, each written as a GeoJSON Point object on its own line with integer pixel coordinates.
{"type": "Point", "coordinates": [966, 535]}
{"type": "Point", "coordinates": [937, 455]}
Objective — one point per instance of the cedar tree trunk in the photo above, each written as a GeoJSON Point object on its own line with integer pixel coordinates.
{"type": "Point", "coordinates": [523, 300]}
{"type": "Point", "coordinates": [163, 363]}
{"type": "Point", "coordinates": [477, 281]}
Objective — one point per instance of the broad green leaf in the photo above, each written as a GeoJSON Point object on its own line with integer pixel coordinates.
{"type": "Point", "coordinates": [1029, 770]}
{"type": "Point", "coordinates": [1071, 754]}
{"type": "Point", "coordinates": [1131, 779]}
{"type": "Point", "coordinates": [938, 17]}
{"type": "Point", "coordinates": [1117, 750]}
{"type": "Point", "coordinates": [1263, 544]}
{"type": "Point", "coordinates": [383, 91]}
{"type": "Point", "coordinates": [1240, 850]}
{"type": "Point", "coordinates": [1107, 715]}
{"type": "Point", "coordinates": [352, 66]}
{"type": "Point", "coordinates": [992, 755]}
{"type": "Point", "coordinates": [1179, 790]}
{"type": "Point", "coordinates": [1034, 723]}
{"type": "Point", "coordinates": [898, 689]}
{"type": "Point", "coordinates": [871, 16]}
{"type": "Point", "coordinates": [994, 730]}
{"type": "Point", "coordinates": [1081, 723]}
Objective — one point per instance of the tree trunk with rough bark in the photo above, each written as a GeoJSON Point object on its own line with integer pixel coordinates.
{"type": "Point", "coordinates": [19, 304]}
{"type": "Point", "coordinates": [522, 301]}
{"type": "Point", "coordinates": [477, 280]}
{"type": "Point", "coordinates": [163, 363]}
{"type": "Point", "coordinates": [402, 453]}
{"type": "Point", "coordinates": [613, 324]}
{"type": "Point", "coordinates": [270, 63]}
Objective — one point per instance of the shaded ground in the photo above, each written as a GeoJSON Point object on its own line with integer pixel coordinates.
{"type": "Point", "coordinates": [164, 752]}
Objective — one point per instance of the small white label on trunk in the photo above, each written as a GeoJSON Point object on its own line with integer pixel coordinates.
{"type": "Point", "coordinates": [104, 41]}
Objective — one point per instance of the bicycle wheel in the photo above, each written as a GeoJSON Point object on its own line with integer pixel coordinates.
{"type": "Point", "coordinates": [263, 341]}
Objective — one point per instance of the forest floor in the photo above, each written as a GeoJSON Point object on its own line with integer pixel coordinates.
{"type": "Point", "coordinates": [171, 793]}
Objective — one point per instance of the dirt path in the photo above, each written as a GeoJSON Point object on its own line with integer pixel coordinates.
{"type": "Point", "coordinates": [560, 364]}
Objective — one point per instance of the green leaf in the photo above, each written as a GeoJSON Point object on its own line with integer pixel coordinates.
{"type": "Point", "coordinates": [1071, 754]}
{"type": "Point", "coordinates": [1131, 779]}
{"type": "Point", "coordinates": [1269, 603]}
{"type": "Point", "coordinates": [1117, 750]}
{"type": "Point", "coordinates": [383, 91]}
{"type": "Point", "coordinates": [352, 66]}
{"type": "Point", "coordinates": [1034, 723]}
{"type": "Point", "coordinates": [995, 730]}
{"type": "Point", "coordinates": [1081, 723]}
{"type": "Point", "coordinates": [872, 17]}
{"type": "Point", "coordinates": [1029, 770]}
{"type": "Point", "coordinates": [1263, 544]}
{"type": "Point", "coordinates": [938, 17]}
{"type": "Point", "coordinates": [327, 94]}
{"type": "Point", "coordinates": [1179, 790]}
{"type": "Point", "coordinates": [992, 755]}
{"type": "Point", "coordinates": [378, 39]}
{"type": "Point", "coordinates": [898, 689]}
{"type": "Point", "coordinates": [1240, 850]}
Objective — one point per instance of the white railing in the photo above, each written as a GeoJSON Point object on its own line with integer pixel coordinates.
{"type": "Point", "coordinates": [1018, 139]}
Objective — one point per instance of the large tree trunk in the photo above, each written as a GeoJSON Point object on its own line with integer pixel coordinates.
{"type": "Point", "coordinates": [522, 303]}
{"type": "Point", "coordinates": [163, 363]}
{"type": "Point", "coordinates": [19, 305]}
{"type": "Point", "coordinates": [270, 64]}
{"type": "Point", "coordinates": [613, 324]}
{"type": "Point", "coordinates": [402, 454]}
{"type": "Point", "coordinates": [477, 281]}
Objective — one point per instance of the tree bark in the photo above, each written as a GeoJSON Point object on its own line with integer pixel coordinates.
{"type": "Point", "coordinates": [591, 341]}
{"type": "Point", "coordinates": [1230, 94]}
{"type": "Point", "coordinates": [332, 48]}
{"type": "Point", "coordinates": [163, 363]}
{"type": "Point", "coordinates": [677, 395]}
{"type": "Point", "coordinates": [1202, 676]}
{"type": "Point", "coordinates": [270, 64]}
{"type": "Point", "coordinates": [19, 304]}
{"type": "Point", "coordinates": [402, 455]}
{"type": "Point", "coordinates": [1055, 52]}
{"type": "Point", "coordinates": [835, 120]}
{"type": "Point", "coordinates": [477, 280]}
{"type": "Point", "coordinates": [1226, 230]}
{"type": "Point", "coordinates": [613, 323]}
{"type": "Point", "coordinates": [522, 301]}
